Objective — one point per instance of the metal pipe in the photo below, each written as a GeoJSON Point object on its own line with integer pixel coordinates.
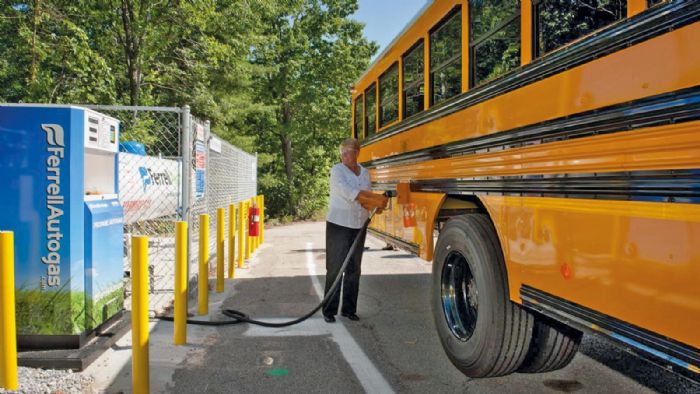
{"type": "Point", "coordinates": [262, 219]}
{"type": "Point", "coordinates": [241, 232]}
{"type": "Point", "coordinates": [186, 172]}
{"type": "Point", "coordinates": [180, 336]}
{"type": "Point", "coordinates": [203, 280]}
{"type": "Point", "coordinates": [248, 239]}
{"type": "Point", "coordinates": [257, 237]}
{"type": "Point", "coordinates": [231, 240]}
{"type": "Point", "coordinates": [220, 250]}
{"type": "Point", "coordinates": [139, 314]}
{"type": "Point", "coordinates": [8, 327]}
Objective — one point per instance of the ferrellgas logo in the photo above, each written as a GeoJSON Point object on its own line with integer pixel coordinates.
{"type": "Point", "coordinates": [54, 134]}
{"type": "Point", "coordinates": [150, 177]}
{"type": "Point", "coordinates": [55, 200]}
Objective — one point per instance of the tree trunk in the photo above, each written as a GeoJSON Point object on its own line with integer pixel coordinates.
{"type": "Point", "coordinates": [37, 10]}
{"type": "Point", "coordinates": [131, 51]}
{"type": "Point", "coordinates": [289, 171]}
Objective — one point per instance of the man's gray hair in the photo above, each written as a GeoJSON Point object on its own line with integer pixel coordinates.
{"type": "Point", "coordinates": [349, 144]}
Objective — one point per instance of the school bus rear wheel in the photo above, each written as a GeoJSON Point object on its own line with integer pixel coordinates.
{"type": "Point", "coordinates": [482, 332]}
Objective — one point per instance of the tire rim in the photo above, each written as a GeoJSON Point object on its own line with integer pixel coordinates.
{"type": "Point", "coordinates": [460, 301]}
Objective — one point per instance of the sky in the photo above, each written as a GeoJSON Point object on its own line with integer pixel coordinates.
{"type": "Point", "coordinates": [384, 19]}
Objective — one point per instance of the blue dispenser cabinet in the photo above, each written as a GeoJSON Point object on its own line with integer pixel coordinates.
{"type": "Point", "coordinates": [59, 172]}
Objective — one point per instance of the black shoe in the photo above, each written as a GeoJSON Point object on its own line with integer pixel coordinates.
{"type": "Point", "coordinates": [351, 316]}
{"type": "Point", "coordinates": [329, 319]}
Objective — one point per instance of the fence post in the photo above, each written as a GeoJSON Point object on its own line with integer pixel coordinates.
{"type": "Point", "coordinates": [139, 315]}
{"type": "Point", "coordinates": [8, 328]}
{"type": "Point", "coordinates": [241, 232]}
{"type": "Point", "coordinates": [220, 250]}
{"type": "Point", "coordinates": [231, 239]}
{"type": "Point", "coordinates": [181, 243]}
{"type": "Point", "coordinates": [186, 174]}
{"type": "Point", "coordinates": [203, 280]}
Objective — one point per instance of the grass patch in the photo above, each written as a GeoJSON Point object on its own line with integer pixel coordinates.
{"type": "Point", "coordinates": [105, 307]}
{"type": "Point", "coordinates": [57, 312]}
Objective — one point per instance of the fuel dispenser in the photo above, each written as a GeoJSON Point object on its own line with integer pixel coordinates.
{"type": "Point", "coordinates": [58, 167]}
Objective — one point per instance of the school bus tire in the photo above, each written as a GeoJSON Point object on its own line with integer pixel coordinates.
{"type": "Point", "coordinates": [483, 333]}
{"type": "Point", "coordinates": [553, 346]}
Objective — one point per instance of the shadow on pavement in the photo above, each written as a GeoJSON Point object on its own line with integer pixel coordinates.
{"type": "Point", "coordinates": [395, 332]}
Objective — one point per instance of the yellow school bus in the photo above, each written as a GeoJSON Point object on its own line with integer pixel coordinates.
{"type": "Point", "coordinates": [546, 156]}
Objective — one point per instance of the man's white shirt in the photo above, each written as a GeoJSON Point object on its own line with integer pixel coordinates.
{"type": "Point", "coordinates": [345, 186]}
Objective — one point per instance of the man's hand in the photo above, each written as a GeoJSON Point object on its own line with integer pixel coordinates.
{"type": "Point", "coordinates": [370, 201]}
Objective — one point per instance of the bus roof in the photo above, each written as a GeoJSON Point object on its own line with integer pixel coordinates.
{"type": "Point", "coordinates": [386, 50]}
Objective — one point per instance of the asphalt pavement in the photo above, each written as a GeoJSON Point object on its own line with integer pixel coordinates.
{"type": "Point", "coordinates": [393, 348]}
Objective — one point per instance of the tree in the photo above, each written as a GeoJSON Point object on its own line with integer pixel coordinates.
{"type": "Point", "coordinates": [46, 57]}
{"type": "Point", "coordinates": [314, 53]}
{"type": "Point", "coordinates": [272, 76]}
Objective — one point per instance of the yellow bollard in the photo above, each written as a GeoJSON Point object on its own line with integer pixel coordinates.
{"type": "Point", "coordinates": [203, 280]}
{"type": "Point", "coordinates": [139, 315]}
{"type": "Point", "coordinates": [180, 337]}
{"type": "Point", "coordinates": [248, 243]}
{"type": "Point", "coordinates": [262, 219]}
{"type": "Point", "coordinates": [8, 327]}
{"type": "Point", "coordinates": [220, 250]}
{"type": "Point", "coordinates": [231, 240]}
{"type": "Point", "coordinates": [258, 238]}
{"type": "Point", "coordinates": [241, 232]}
{"type": "Point", "coordinates": [254, 244]}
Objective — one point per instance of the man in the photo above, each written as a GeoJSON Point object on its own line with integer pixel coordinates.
{"type": "Point", "coordinates": [350, 202]}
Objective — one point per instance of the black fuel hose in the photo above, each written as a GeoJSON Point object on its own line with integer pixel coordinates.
{"type": "Point", "coordinates": [240, 317]}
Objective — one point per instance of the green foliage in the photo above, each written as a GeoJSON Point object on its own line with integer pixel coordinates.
{"type": "Point", "coordinates": [60, 312]}
{"type": "Point", "coordinates": [272, 76]}
{"type": "Point", "coordinates": [563, 21]}
{"type": "Point", "coordinates": [48, 58]}
{"type": "Point", "coordinates": [314, 54]}
{"type": "Point", "coordinates": [102, 309]}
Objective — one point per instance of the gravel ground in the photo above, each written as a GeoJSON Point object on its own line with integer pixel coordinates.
{"type": "Point", "coordinates": [42, 381]}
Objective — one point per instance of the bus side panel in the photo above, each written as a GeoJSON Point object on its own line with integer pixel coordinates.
{"type": "Point", "coordinates": [635, 261]}
{"type": "Point", "coordinates": [418, 228]}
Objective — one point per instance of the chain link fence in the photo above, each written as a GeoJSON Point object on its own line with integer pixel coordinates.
{"type": "Point", "coordinates": [157, 188]}
{"type": "Point", "coordinates": [230, 177]}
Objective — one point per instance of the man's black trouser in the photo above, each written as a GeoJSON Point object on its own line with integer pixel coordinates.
{"type": "Point", "coordinates": [338, 242]}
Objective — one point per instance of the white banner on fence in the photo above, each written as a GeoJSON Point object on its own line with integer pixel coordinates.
{"type": "Point", "coordinates": [148, 187]}
{"type": "Point", "coordinates": [215, 144]}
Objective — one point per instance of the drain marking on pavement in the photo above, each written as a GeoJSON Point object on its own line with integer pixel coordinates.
{"type": "Point", "coordinates": [277, 372]}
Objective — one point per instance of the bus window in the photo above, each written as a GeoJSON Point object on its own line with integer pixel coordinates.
{"type": "Point", "coordinates": [389, 95]}
{"type": "Point", "coordinates": [495, 38]}
{"type": "Point", "coordinates": [446, 58]}
{"type": "Point", "coordinates": [371, 110]}
{"type": "Point", "coordinates": [651, 3]}
{"type": "Point", "coordinates": [413, 80]}
{"type": "Point", "coordinates": [558, 22]}
{"type": "Point", "coordinates": [359, 115]}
